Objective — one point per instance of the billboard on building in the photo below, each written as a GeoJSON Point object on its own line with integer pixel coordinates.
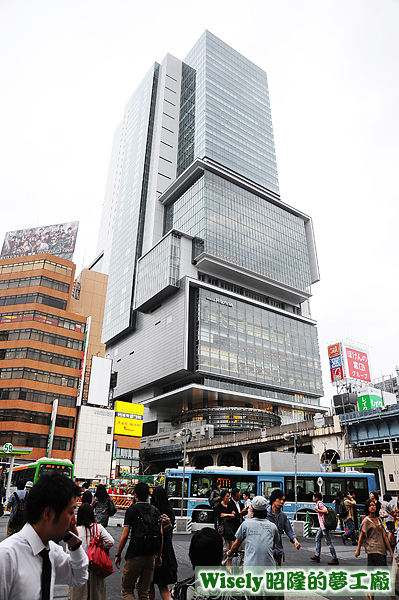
{"type": "Point", "coordinates": [348, 363]}
{"type": "Point", "coordinates": [100, 377]}
{"type": "Point", "coordinates": [128, 419]}
{"type": "Point", "coordinates": [58, 240]}
{"type": "Point", "coordinates": [358, 365]}
{"type": "Point", "coordinates": [369, 398]}
{"type": "Point", "coordinates": [335, 358]}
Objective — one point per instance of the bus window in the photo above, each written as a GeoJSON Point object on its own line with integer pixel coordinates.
{"type": "Point", "coordinates": [305, 488]}
{"type": "Point", "coordinates": [50, 468]}
{"type": "Point", "coordinates": [361, 488]}
{"type": "Point", "coordinates": [266, 487]}
{"type": "Point", "coordinates": [332, 486]}
{"type": "Point", "coordinates": [173, 487]}
{"type": "Point", "coordinates": [201, 486]}
{"type": "Point", "coordinates": [249, 483]}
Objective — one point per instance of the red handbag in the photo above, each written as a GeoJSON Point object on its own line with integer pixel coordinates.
{"type": "Point", "coordinates": [98, 555]}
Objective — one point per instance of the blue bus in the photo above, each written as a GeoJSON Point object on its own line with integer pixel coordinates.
{"type": "Point", "coordinates": [199, 484]}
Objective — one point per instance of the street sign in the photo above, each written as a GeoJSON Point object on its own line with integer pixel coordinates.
{"type": "Point", "coordinates": [320, 483]}
{"type": "Point", "coordinates": [8, 448]}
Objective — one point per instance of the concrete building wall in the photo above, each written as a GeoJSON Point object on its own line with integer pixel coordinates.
{"type": "Point", "coordinates": [93, 446]}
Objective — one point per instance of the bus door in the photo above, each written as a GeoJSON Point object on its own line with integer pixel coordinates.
{"type": "Point", "coordinates": [268, 483]}
{"type": "Point", "coordinates": [174, 491]}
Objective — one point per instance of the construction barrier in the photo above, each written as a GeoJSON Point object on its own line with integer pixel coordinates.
{"type": "Point", "coordinates": [122, 501]}
{"type": "Point", "coordinates": [307, 527]}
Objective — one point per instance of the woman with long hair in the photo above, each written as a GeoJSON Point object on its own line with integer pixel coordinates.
{"type": "Point", "coordinates": [222, 517]}
{"type": "Point", "coordinates": [94, 588]}
{"type": "Point", "coordinates": [167, 572]}
{"type": "Point", "coordinates": [372, 534]}
{"type": "Point", "coordinates": [103, 505]}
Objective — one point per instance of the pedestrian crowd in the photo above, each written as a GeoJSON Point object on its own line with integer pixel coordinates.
{"type": "Point", "coordinates": [246, 531]}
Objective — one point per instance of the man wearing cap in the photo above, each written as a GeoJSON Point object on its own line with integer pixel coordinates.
{"type": "Point", "coordinates": [261, 536]}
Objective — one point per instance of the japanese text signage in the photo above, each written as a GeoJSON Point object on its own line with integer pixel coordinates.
{"type": "Point", "coordinates": [336, 369]}
{"type": "Point", "coordinates": [358, 364]}
{"type": "Point", "coordinates": [128, 419]}
{"type": "Point", "coordinates": [369, 398]}
{"type": "Point", "coordinates": [264, 581]}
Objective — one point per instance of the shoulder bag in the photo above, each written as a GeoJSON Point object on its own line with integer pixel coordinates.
{"type": "Point", "coordinates": [111, 507]}
{"type": "Point", "coordinates": [226, 530]}
{"type": "Point", "coordinates": [98, 555]}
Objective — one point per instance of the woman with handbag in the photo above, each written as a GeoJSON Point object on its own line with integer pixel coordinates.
{"type": "Point", "coordinates": [167, 572]}
{"type": "Point", "coordinates": [103, 506]}
{"type": "Point", "coordinates": [372, 534]}
{"type": "Point", "coordinates": [223, 523]}
{"type": "Point", "coordinates": [94, 588]}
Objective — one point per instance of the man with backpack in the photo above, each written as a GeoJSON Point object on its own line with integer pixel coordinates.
{"type": "Point", "coordinates": [16, 503]}
{"type": "Point", "coordinates": [145, 548]}
{"type": "Point", "coordinates": [348, 514]}
{"type": "Point", "coordinates": [322, 511]}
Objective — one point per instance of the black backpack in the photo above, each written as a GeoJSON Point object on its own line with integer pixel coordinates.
{"type": "Point", "coordinates": [18, 519]}
{"type": "Point", "coordinates": [146, 536]}
{"type": "Point", "coordinates": [342, 510]}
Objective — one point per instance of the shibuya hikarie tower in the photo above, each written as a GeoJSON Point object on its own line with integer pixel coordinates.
{"type": "Point", "coordinates": [207, 315]}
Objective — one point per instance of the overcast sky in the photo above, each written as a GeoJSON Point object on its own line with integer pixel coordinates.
{"type": "Point", "coordinates": [68, 67]}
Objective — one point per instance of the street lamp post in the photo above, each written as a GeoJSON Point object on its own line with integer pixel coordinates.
{"type": "Point", "coordinates": [295, 436]}
{"type": "Point", "coordinates": [184, 433]}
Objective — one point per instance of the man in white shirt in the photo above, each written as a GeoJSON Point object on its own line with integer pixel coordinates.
{"type": "Point", "coordinates": [31, 562]}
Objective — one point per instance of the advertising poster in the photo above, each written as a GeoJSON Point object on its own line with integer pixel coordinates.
{"type": "Point", "coordinates": [128, 419]}
{"type": "Point", "coordinates": [335, 359]}
{"type": "Point", "coordinates": [358, 364]}
{"type": "Point", "coordinates": [58, 240]}
{"type": "Point", "coordinates": [369, 398]}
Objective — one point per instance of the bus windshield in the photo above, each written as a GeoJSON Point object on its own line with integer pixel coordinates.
{"type": "Point", "coordinates": [50, 468]}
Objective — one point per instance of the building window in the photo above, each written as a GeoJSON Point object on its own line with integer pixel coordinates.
{"type": "Point", "coordinates": [109, 430]}
{"type": "Point", "coordinates": [107, 447]}
{"type": "Point", "coordinates": [33, 299]}
{"type": "Point", "coordinates": [48, 319]}
{"type": "Point", "coordinates": [41, 336]}
{"type": "Point", "coordinates": [36, 396]}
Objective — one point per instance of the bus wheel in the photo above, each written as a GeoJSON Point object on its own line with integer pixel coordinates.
{"type": "Point", "coordinates": [314, 521]}
{"type": "Point", "coordinates": [202, 515]}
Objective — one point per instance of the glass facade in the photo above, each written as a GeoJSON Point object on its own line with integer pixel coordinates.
{"type": "Point", "coordinates": [158, 269]}
{"type": "Point", "coordinates": [251, 343]}
{"type": "Point", "coordinates": [241, 228]}
{"type": "Point", "coordinates": [233, 123]}
{"type": "Point", "coordinates": [130, 208]}
{"type": "Point", "coordinates": [186, 147]}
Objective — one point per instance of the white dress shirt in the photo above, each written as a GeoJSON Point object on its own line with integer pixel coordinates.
{"type": "Point", "coordinates": [21, 566]}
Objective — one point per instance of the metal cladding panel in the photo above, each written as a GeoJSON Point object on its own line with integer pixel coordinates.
{"type": "Point", "coordinates": [156, 349]}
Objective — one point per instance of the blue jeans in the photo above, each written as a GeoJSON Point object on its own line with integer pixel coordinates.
{"type": "Point", "coordinates": [351, 533]}
{"type": "Point", "coordinates": [319, 537]}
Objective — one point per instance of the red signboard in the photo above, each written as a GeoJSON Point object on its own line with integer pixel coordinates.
{"type": "Point", "coordinates": [334, 350]}
{"type": "Point", "coordinates": [337, 374]}
{"type": "Point", "coordinates": [358, 364]}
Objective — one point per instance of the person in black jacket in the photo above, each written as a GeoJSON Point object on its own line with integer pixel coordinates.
{"type": "Point", "coordinates": [87, 496]}
{"type": "Point", "coordinates": [235, 505]}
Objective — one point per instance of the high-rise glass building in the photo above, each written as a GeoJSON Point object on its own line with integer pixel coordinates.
{"type": "Point", "coordinates": [207, 314]}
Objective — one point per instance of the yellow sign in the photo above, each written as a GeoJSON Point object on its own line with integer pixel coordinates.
{"type": "Point", "coordinates": [128, 419]}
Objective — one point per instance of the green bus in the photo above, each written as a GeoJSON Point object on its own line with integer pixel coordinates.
{"type": "Point", "coordinates": [32, 471]}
